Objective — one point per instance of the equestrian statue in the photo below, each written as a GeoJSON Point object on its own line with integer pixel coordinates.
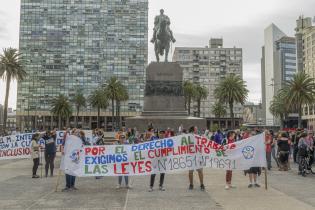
{"type": "Point", "coordinates": [162, 35]}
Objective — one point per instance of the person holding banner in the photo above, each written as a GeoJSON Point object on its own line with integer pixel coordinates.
{"type": "Point", "coordinates": [268, 142]}
{"type": "Point", "coordinates": [35, 153]}
{"type": "Point", "coordinates": [193, 130]}
{"type": "Point", "coordinates": [253, 171]}
{"type": "Point", "coordinates": [228, 175]}
{"type": "Point", "coordinates": [162, 175]}
{"type": "Point", "coordinates": [50, 152]}
{"type": "Point", "coordinates": [123, 140]}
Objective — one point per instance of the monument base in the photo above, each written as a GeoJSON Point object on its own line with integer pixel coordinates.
{"type": "Point", "coordinates": [164, 102]}
{"type": "Point", "coordinates": [164, 122]}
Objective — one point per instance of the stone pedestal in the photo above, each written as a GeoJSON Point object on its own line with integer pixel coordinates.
{"type": "Point", "coordinates": [164, 102]}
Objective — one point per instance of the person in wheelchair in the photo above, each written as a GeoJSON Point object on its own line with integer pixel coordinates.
{"type": "Point", "coordinates": [304, 152]}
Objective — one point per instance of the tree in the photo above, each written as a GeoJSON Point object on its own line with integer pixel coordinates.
{"type": "Point", "coordinates": [201, 93]}
{"type": "Point", "coordinates": [278, 107]}
{"type": "Point", "coordinates": [218, 109]}
{"type": "Point", "coordinates": [79, 101]}
{"type": "Point", "coordinates": [61, 107]}
{"type": "Point", "coordinates": [112, 89]}
{"type": "Point", "coordinates": [231, 89]}
{"type": "Point", "coordinates": [189, 92]}
{"type": "Point", "coordinates": [11, 67]}
{"type": "Point", "coordinates": [299, 92]}
{"type": "Point", "coordinates": [121, 96]}
{"type": "Point", "coordinates": [99, 100]}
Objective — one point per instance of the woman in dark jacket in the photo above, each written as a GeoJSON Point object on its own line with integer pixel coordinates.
{"type": "Point", "coordinates": [283, 152]}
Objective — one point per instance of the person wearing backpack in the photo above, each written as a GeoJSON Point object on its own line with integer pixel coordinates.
{"type": "Point", "coordinates": [283, 152]}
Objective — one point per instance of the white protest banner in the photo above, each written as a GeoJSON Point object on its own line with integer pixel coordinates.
{"type": "Point", "coordinates": [184, 152]}
{"type": "Point", "coordinates": [73, 148]}
{"type": "Point", "coordinates": [19, 145]}
{"type": "Point", "coordinates": [15, 146]}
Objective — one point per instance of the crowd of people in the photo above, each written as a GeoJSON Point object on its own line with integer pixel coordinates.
{"type": "Point", "coordinates": [281, 146]}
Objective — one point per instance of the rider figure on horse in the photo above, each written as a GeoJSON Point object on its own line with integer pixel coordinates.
{"type": "Point", "coordinates": [157, 21]}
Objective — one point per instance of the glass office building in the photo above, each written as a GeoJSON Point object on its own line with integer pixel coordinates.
{"type": "Point", "coordinates": [286, 53]}
{"type": "Point", "coordinates": [72, 45]}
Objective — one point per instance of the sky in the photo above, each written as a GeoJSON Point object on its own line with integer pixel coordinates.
{"type": "Point", "coordinates": [240, 23]}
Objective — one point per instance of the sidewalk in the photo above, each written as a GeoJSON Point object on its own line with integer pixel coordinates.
{"type": "Point", "coordinates": [243, 198]}
{"type": "Point", "coordinates": [19, 191]}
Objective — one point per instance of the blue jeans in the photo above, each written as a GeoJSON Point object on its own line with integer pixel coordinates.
{"type": "Point", "coordinates": [70, 181]}
{"type": "Point", "coordinates": [120, 180]}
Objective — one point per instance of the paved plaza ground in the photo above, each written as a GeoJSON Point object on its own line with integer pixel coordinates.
{"type": "Point", "coordinates": [286, 191]}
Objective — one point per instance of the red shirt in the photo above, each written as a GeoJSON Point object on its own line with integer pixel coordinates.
{"type": "Point", "coordinates": [230, 140]}
{"type": "Point", "coordinates": [245, 135]}
{"type": "Point", "coordinates": [268, 142]}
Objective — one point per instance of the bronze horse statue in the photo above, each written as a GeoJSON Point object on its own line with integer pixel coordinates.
{"type": "Point", "coordinates": [162, 41]}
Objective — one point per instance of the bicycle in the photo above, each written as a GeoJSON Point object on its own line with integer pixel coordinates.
{"type": "Point", "coordinates": [304, 165]}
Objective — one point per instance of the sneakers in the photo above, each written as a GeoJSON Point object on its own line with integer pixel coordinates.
{"type": "Point", "coordinates": [227, 187]}
{"type": "Point", "coordinates": [35, 176]}
{"type": "Point", "coordinates": [66, 189]}
{"type": "Point", "coordinates": [128, 186]}
{"type": "Point", "coordinates": [150, 189]}
{"type": "Point", "coordinates": [118, 186]}
{"type": "Point", "coordinates": [191, 187]}
{"type": "Point", "coordinates": [256, 185]}
{"type": "Point", "coordinates": [162, 188]}
{"type": "Point", "coordinates": [250, 185]}
{"type": "Point", "coordinates": [202, 187]}
{"type": "Point", "coordinates": [74, 188]}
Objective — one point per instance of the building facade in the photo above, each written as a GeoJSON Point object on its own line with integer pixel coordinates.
{"type": "Point", "coordinates": [253, 114]}
{"type": "Point", "coordinates": [270, 70]}
{"type": "Point", "coordinates": [301, 24]}
{"type": "Point", "coordinates": [77, 45]}
{"type": "Point", "coordinates": [285, 59]}
{"type": "Point", "coordinates": [207, 66]}
{"type": "Point", "coordinates": [1, 116]}
{"type": "Point", "coordinates": [308, 40]}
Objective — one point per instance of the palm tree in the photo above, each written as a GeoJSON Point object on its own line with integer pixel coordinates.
{"type": "Point", "coordinates": [98, 99]}
{"type": "Point", "coordinates": [299, 92]}
{"type": "Point", "coordinates": [231, 89]}
{"type": "Point", "coordinates": [61, 107]}
{"type": "Point", "coordinates": [218, 110]}
{"type": "Point", "coordinates": [189, 92]}
{"type": "Point", "coordinates": [79, 101]}
{"type": "Point", "coordinates": [112, 90]}
{"type": "Point", "coordinates": [121, 96]}
{"type": "Point", "coordinates": [201, 93]}
{"type": "Point", "coordinates": [10, 68]}
{"type": "Point", "coordinates": [278, 107]}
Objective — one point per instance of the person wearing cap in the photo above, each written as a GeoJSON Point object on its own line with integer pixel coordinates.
{"type": "Point", "coordinates": [162, 175]}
